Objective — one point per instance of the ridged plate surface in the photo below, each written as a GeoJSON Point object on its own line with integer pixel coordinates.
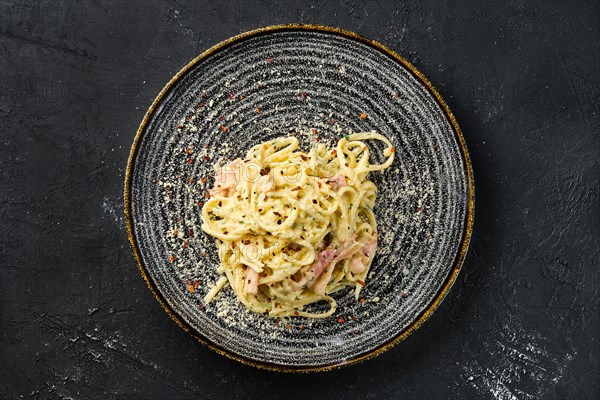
{"type": "Point", "coordinates": [318, 84]}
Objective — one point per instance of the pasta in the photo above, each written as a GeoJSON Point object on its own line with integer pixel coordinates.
{"type": "Point", "coordinates": [292, 227]}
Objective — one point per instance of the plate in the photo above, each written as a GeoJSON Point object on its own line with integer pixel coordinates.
{"type": "Point", "coordinates": [317, 83]}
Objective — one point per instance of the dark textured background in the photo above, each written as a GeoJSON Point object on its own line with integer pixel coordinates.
{"type": "Point", "coordinates": [76, 319]}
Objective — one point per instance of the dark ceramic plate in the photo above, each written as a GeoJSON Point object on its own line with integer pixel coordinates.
{"type": "Point", "coordinates": [319, 83]}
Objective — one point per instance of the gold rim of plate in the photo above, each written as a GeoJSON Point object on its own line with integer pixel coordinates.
{"type": "Point", "coordinates": [468, 227]}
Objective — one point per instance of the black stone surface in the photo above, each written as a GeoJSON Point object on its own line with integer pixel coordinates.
{"type": "Point", "coordinates": [76, 319]}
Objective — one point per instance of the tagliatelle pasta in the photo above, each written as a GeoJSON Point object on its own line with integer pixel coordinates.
{"type": "Point", "coordinates": [292, 227]}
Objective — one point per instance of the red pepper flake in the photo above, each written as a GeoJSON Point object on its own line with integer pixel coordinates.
{"type": "Point", "coordinates": [303, 157]}
{"type": "Point", "coordinates": [172, 258]}
{"type": "Point", "coordinates": [222, 118]}
{"type": "Point", "coordinates": [201, 306]}
{"type": "Point", "coordinates": [319, 183]}
{"type": "Point", "coordinates": [332, 120]}
{"type": "Point", "coordinates": [201, 104]}
{"type": "Point", "coordinates": [203, 180]}
{"type": "Point", "coordinates": [363, 116]}
{"type": "Point", "coordinates": [191, 180]}
{"type": "Point", "coordinates": [206, 158]}
{"type": "Point", "coordinates": [296, 313]}
{"type": "Point", "coordinates": [200, 203]}
{"type": "Point", "coordinates": [257, 109]}
{"type": "Point", "coordinates": [303, 95]}
{"type": "Point", "coordinates": [397, 95]}
{"type": "Point", "coordinates": [341, 320]}
{"type": "Point", "coordinates": [419, 209]}
{"type": "Point", "coordinates": [196, 284]}
{"type": "Point", "coordinates": [179, 127]}
{"type": "Point", "coordinates": [296, 188]}
{"type": "Point", "coordinates": [190, 232]}
{"type": "Point", "coordinates": [270, 60]}
{"type": "Point", "coordinates": [241, 97]}
{"type": "Point", "coordinates": [232, 96]}
{"type": "Point", "coordinates": [334, 152]}
{"type": "Point", "coordinates": [288, 327]}
{"type": "Point", "coordinates": [265, 146]}
{"type": "Point", "coordinates": [188, 282]}
{"type": "Point", "coordinates": [223, 128]}
{"type": "Point", "coordinates": [404, 294]}
{"type": "Point", "coordinates": [204, 254]}
{"type": "Point", "coordinates": [302, 327]}
{"type": "Point", "coordinates": [189, 151]}
{"type": "Point", "coordinates": [353, 318]}
{"type": "Point", "coordinates": [191, 288]}
{"type": "Point", "coordinates": [207, 195]}
{"type": "Point", "coordinates": [314, 131]}
{"type": "Point", "coordinates": [190, 161]}
{"type": "Point", "coordinates": [393, 150]}
{"type": "Point", "coordinates": [362, 300]}
{"type": "Point", "coordinates": [189, 118]}
{"type": "Point", "coordinates": [185, 244]}
{"type": "Point", "coordinates": [294, 134]}
{"type": "Point", "coordinates": [365, 148]}
{"type": "Point", "coordinates": [276, 213]}
{"type": "Point", "coordinates": [361, 283]}
{"type": "Point", "coordinates": [430, 237]}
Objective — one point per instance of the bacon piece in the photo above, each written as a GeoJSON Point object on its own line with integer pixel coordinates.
{"type": "Point", "coordinates": [324, 258]}
{"type": "Point", "coordinates": [325, 263]}
{"type": "Point", "coordinates": [360, 261]}
{"type": "Point", "coordinates": [337, 181]}
{"type": "Point", "coordinates": [226, 180]}
{"type": "Point", "coordinates": [357, 265]}
{"type": "Point", "coordinates": [251, 281]}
